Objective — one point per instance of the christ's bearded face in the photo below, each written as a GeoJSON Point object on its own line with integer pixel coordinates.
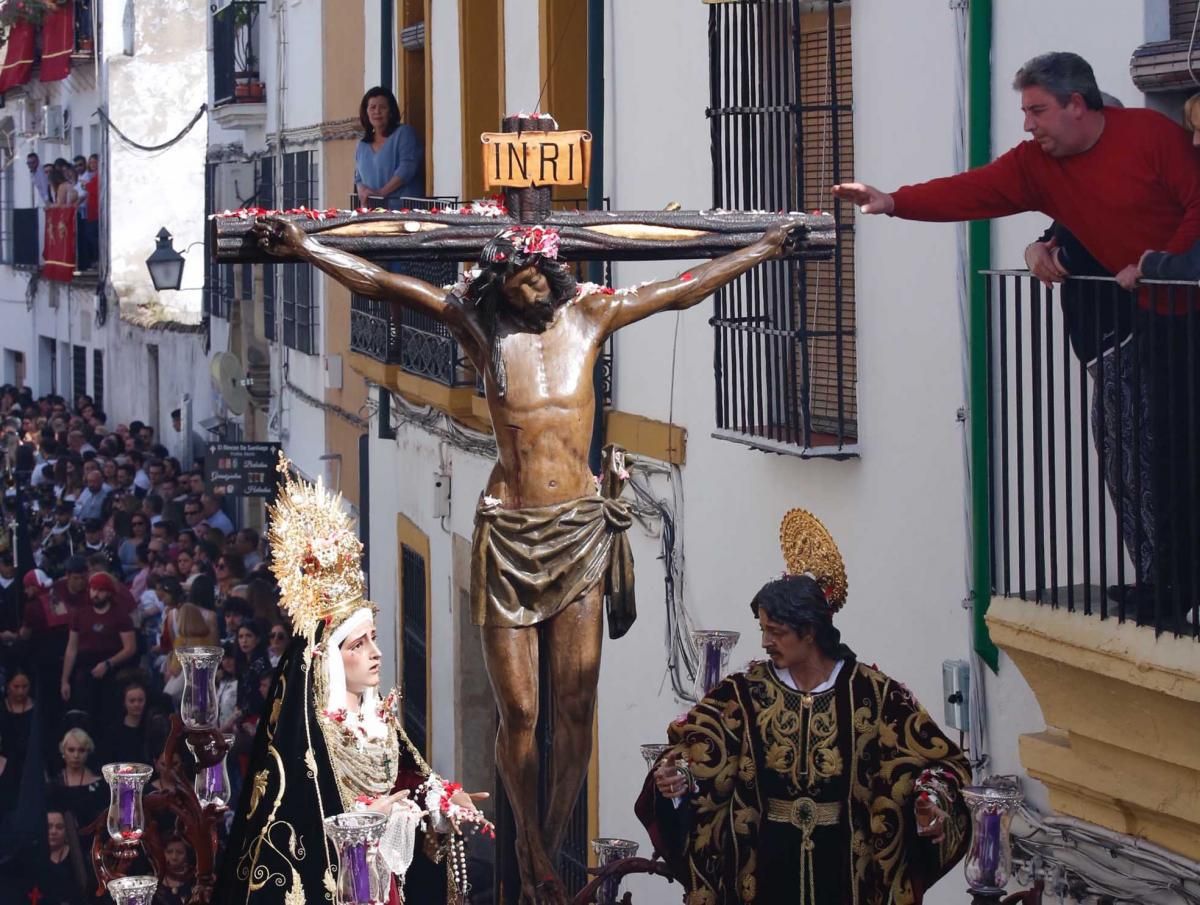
{"type": "Point", "coordinates": [527, 293]}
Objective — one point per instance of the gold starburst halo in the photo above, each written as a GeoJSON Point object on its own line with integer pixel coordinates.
{"type": "Point", "coordinates": [808, 547]}
{"type": "Point", "coordinates": [315, 554]}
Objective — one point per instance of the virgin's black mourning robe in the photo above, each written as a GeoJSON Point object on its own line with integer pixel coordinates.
{"type": "Point", "coordinates": [806, 799]}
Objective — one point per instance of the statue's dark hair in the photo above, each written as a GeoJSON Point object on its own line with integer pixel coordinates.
{"type": "Point", "coordinates": [499, 260]}
{"type": "Point", "coordinates": [798, 602]}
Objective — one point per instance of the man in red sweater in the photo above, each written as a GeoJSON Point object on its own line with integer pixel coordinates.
{"type": "Point", "coordinates": [1124, 182]}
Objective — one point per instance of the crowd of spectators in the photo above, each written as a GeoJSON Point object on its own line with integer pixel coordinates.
{"type": "Point", "coordinates": [72, 183]}
{"type": "Point", "coordinates": [113, 556]}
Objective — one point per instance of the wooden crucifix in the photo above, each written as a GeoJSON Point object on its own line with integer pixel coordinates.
{"type": "Point", "coordinates": [549, 549]}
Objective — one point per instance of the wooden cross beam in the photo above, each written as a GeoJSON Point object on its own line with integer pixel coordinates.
{"type": "Point", "coordinates": [583, 235]}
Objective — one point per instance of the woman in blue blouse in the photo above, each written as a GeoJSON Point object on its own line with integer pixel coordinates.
{"type": "Point", "coordinates": [387, 162]}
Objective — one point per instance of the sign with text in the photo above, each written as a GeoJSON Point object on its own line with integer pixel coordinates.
{"type": "Point", "coordinates": [242, 469]}
{"type": "Point", "coordinates": [522, 160]}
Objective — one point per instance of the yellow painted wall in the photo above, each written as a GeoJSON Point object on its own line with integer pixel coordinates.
{"type": "Point", "coordinates": [343, 47]}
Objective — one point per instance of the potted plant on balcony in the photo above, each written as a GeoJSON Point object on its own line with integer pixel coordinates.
{"type": "Point", "coordinates": [248, 88]}
{"type": "Point", "coordinates": [13, 12]}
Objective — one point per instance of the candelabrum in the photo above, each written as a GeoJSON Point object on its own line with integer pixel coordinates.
{"type": "Point", "coordinates": [714, 648]}
{"type": "Point", "coordinates": [133, 890]}
{"type": "Point", "coordinates": [361, 878]}
{"type": "Point", "coordinates": [177, 797]}
{"type": "Point", "coordinates": [988, 864]}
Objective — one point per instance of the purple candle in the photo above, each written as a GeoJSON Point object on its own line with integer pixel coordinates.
{"type": "Point", "coordinates": [989, 848]}
{"type": "Point", "coordinates": [125, 806]}
{"type": "Point", "coordinates": [360, 880]}
{"type": "Point", "coordinates": [201, 676]}
{"type": "Point", "coordinates": [712, 666]}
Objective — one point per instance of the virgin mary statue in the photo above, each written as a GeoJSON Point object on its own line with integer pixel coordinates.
{"type": "Point", "coordinates": [328, 742]}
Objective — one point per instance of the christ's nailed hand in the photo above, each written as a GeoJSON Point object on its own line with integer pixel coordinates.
{"type": "Point", "coordinates": [784, 238]}
{"type": "Point", "coordinates": [868, 198]}
{"type": "Point", "coordinates": [277, 235]}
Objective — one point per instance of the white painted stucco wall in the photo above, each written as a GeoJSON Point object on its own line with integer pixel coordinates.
{"type": "Point", "coordinates": [152, 95]}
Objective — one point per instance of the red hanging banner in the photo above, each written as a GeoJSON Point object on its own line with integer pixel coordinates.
{"type": "Point", "coordinates": [18, 59]}
{"type": "Point", "coordinates": [58, 43]}
{"type": "Point", "coordinates": [59, 249]}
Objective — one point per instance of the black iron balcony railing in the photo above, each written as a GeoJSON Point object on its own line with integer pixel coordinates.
{"type": "Point", "coordinates": [235, 46]}
{"type": "Point", "coordinates": [27, 238]}
{"type": "Point", "coordinates": [1094, 436]}
{"type": "Point", "coordinates": [418, 343]}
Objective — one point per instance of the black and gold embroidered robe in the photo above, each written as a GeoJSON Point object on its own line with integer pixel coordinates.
{"type": "Point", "coordinates": [806, 799]}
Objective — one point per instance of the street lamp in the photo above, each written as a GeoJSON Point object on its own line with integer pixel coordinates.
{"type": "Point", "coordinates": [165, 264]}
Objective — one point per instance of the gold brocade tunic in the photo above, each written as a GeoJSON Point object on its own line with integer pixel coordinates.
{"type": "Point", "coordinates": [806, 799]}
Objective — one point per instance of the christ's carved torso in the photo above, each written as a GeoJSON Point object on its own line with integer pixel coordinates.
{"type": "Point", "coordinates": [543, 422]}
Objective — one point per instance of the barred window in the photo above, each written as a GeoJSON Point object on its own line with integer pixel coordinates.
{"type": "Point", "coordinates": [98, 378]}
{"type": "Point", "coordinates": [299, 189]}
{"type": "Point", "coordinates": [414, 654]}
{"type": "Point", "coordinates": [782, 135]}
{"type": "Point", "coordinates": [78, 372]}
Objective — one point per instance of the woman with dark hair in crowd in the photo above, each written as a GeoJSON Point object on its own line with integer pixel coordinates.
{"type": "Point", "coordinates": [139, 533]}
{"type": "Point", "coordinates": [387, 162]}
{"type": "Point", "coordinates": [175, 885]}
{"type": "Point", "coordinates": [230, 570]}
{"type": "Point", "coordinates": [253, 662]}
{"type": "Point", "coordinates": [63, 879]}
{"type": "Point", "coordinates": [16, 716]}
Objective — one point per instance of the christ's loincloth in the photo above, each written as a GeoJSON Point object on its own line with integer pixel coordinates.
{"type": "Point", "coordinates": [528, 564]}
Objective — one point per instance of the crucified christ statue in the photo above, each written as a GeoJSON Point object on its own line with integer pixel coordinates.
{"type": "Point", "coordinates": [544, 537]}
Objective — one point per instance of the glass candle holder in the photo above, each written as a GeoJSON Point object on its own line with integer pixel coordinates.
{"type": "Point", "coordinates": [607, 851]}
{"type": "Point", "coordinates": [212, 776]}
{"type": "Point", "coordinates": [714, 647]}
{"type": "Point", "coordinates": [652, 753]}
{"type": "Point", "coordinates": [126, 820]}
{"type": "Point", "coordinates": [356, 838]}
{"type": "Point", "coordinates": [989, 862]}
{"type": "Point", "coordinates": [198, 708]}
{"type": "Point", "coordinates": [133, 890]}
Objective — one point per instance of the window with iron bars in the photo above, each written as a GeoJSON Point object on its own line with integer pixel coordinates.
{"type": "Point", "coordinates": [781, 125]}
{"type": "Point", "coordinates": [299, 189]}
{"type": "Point", "coordinates": [98, 378]}
{"type": "Point", "coordinates": [78, 372]}
{"type": "Point", "coordinates": [414, 647]}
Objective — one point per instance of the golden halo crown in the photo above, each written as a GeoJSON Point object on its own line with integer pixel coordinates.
{"type": "Point", "coordinates": [315, 554]}
{"type": "Point", "coordinates": [808, 547]}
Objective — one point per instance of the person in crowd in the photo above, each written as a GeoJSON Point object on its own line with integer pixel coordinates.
{"type": "Point", "coordinates": [236, 610]}
{"type": "Point", "coordinates": [277, 642]}
{"type": "Point", "coordinates": [125, 740]}
{"type": "Point", "coordinates": [101, 639]}
{"type": "Point", "coordinates": [11, 604]}
{"type": "Point", "coordinates": [230, 572]}
{"type": "Point", "coordinates": [38, 180]}
{"type": "Point", "coordinates": [61, 190]}
{"type": "Point", "coordinates": [62, 880]}
{"type": "Point", "coordinates": [95, 545]}
{"type": "Point", "coordinates": [387, 162]}
{"type": "Point", "coordinates": [77, 787]}
{"type": "Point", "coordinates": [194, 624]}
{"type": "Point", "coordinates": [175, 886]}
{"type": "Point", "coordinates": [253, 662]}
{"type": "Point", "coordinates": [64, 538]}
{"type": "Point", "coordinates": [93, 503]}
{"type": "Point", "coordinates": [227, 688]}
{"type": "Point", "coordinates": [213, 516]}
{"type": "Point", "coordinates": [150, 609]}
{"type": "Point", "coordinates": [16, 717]}
{"type": "Point", "coordinates": [246, 546]}
{"type": "Point", "coordinates": [139, 533]}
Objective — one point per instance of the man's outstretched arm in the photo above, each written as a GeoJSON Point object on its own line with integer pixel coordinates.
{"type": "Point", "coordinates": [280, 236]}
{"type": "Point", "coordinates": [627, 306]}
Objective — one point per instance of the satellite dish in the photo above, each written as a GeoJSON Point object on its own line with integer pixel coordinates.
{"type": "Point", "coordinates": [230, 380]}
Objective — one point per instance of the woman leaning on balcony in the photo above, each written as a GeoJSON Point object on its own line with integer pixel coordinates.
{"type": "Point", "coordinates": [387, 162]}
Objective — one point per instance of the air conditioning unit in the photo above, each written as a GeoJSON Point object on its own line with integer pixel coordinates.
{"type": "Point", "coordinates": [54, 123]}
{"type": "Point", "coordinates": [25, 117]}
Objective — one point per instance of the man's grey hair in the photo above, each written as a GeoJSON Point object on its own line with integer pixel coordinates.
{"type": "Point", "coordinates": [1062, 74]}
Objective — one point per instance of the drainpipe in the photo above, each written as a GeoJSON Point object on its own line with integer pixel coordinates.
{"type": "Point", "coordinates": [595, 123]}
{"type": "Point", "coordinates": [979, 252]}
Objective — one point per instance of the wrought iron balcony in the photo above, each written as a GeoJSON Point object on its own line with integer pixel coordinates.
{"type": "Point", "coordinates": [235, 44]}
{"type": "Point", "coordinates": [1094, 461]}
